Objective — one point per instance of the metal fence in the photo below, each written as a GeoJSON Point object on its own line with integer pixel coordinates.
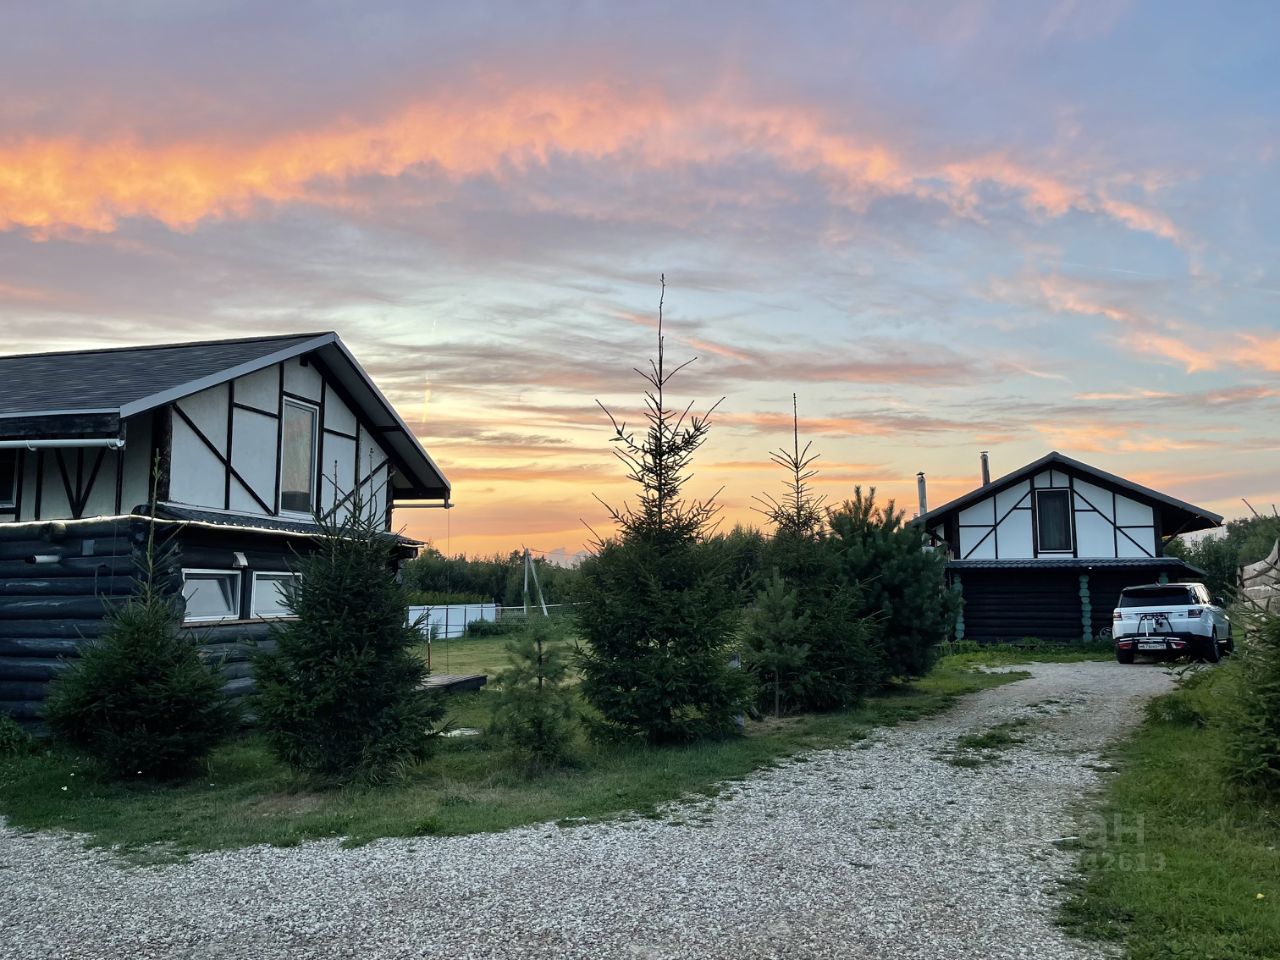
{"type": "Point", "coordinates": [449, 621]}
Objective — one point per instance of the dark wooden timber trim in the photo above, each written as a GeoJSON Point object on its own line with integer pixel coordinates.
{"type": "Point", "coordinates": [279, 437]}
{"type": "Point", "coordinates": [319, 442]}
{"type": "Point", "coordinates": [60, 425]}
{"type": "Point", "coordinates": [231, 429]}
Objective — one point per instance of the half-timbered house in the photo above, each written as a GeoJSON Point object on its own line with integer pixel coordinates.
{"type": "Point", "coordinates": [230, 449]}
{"type": "Point", "coordinates": [1045, 550]}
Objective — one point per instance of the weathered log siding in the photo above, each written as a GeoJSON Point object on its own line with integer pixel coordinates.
{"type": "Point", "coordinates": [50, 609]}
{"type": "Point", "coordinates": [57, 582]}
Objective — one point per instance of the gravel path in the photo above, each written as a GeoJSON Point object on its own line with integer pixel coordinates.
{"type": "Point", "coordinates": [877, 850]}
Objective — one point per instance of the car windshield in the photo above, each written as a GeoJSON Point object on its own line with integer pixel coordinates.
{"type": "Point", "coordinates": [1153, 597]}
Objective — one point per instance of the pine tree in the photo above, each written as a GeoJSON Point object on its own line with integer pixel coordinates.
{"type": "Point", "coordinates": [656, 610]}
{"type": "Point", "coordinates": [342, 694]}
{"type": "Point", "coordinates": [903, 587]}
{"type": "Point", "coordinates": [535, 709]}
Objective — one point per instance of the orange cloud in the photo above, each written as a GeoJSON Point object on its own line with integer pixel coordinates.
{"type": "Point", "coordinates": [51, 184]}
{"type": "Point", "coordinates": [1240, 349]}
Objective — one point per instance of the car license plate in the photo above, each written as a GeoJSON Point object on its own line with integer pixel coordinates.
{"type": "Point", "coordinates": [1151, 645]}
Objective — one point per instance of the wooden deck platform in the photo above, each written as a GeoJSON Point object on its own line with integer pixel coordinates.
{"type": "Point", "coordinates": [456, 682]}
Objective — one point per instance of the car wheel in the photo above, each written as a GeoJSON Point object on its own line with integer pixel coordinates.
{"type": "Point", "coordinates": [1124, 656]}
{"type": "Point", "coordinates": [1212, 653]}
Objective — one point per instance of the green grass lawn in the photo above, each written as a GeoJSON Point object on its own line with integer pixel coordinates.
{"type": "Point", "coordinates": [468, 655]}
{"type": "Point", "coordinates": [245, 797]}
{"type": "Point", "coordinates": [1174, 861]}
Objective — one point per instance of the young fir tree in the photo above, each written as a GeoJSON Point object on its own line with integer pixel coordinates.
{"type": "Point", "coordinates": [842, 661]}
{"type": "Point", "coordinates": [140, 700]}
{"type": "Point", "coordinates": [776, 651]}
{"type": "Point", "coordinates": [342, 696]}
{"type": "Point", "coordinates": [656, 611]}
{"type": "Point", "coordinates": [535, 709]}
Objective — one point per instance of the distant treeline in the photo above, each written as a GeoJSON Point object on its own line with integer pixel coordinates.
{"type": "Point", "coordinates": [1242, 542]}
{"type": "Point", "coordinates": [497, 578]}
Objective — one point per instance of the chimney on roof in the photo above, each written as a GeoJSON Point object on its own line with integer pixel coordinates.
{"type": "Point", "coordinates": [986, 469]}
{"type": "Point", "coordinates": [924, 506]}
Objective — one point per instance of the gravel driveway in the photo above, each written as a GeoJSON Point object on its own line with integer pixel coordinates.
{"type": "Point", "coordinates": [882, 849]}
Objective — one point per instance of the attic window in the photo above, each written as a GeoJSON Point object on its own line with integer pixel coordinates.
{"type": "Point", "coordinates": [1053, 521]}
{"type": "Point", "coordinates": [298, 458]}
{"type": "Point", "coordinates": [8, 477]}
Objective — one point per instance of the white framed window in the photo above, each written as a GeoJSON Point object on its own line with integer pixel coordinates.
{"type": "Point", "coordinates": [267, 598]}
{"type": "Point", "coordinates": [1053, 520]}
{"type": "Point", "coordinates": [298, 453]}
{"type": "Point", "coordinates": [211, 595]}
{"type": "Point", "coordinates": [8, 478]}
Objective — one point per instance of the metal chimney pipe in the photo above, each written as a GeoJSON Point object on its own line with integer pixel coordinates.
{"type": "Point", "coordinates": [986, 469]}
{"type": "Point", "coordinates": [924, 505]}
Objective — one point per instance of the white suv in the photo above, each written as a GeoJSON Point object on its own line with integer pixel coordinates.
{"type": "Point", "coordinates": [1171, 620]}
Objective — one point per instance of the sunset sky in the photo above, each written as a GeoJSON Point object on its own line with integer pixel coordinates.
{"type": "Point", "coordinates": [948, 227]}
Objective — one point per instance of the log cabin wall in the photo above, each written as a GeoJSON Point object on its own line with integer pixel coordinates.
{"type": "Point", "coordinates": [58, 582]}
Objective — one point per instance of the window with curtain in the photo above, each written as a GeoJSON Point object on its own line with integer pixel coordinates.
{"type": "Point", "coordinates": [1053, 520]}
{"type": "Point", "coordinates": [298, 458]}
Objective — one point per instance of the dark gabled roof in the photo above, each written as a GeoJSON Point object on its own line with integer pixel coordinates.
{"type": "Point", "coordinates": [90, 391]}
{"type": "Point", "coordinates": [1181, 517]}
{"type": "Point", "coordinates": [118, 379]}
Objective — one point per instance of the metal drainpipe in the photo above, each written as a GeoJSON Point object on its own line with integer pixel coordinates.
{"type": "Point", "coordinates": [111, 443]}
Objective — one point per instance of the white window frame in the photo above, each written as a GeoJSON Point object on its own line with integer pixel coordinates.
{"type": "Point", "coordinates": [1071, 540]}
{"type": "Point", "coordinates": [253, 592]}
{"type": "Point", "coordinates": [315, 458]}
{"type": "Point", "coordinates": [239, 598]}
{"type": "Point", "coordinates": [17, 479]}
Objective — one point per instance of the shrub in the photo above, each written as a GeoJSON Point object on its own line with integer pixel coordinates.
{"type": "Point", "coordinates": [342, 695]}
{"type": "Point", "coordinates": [903, 586]}
{"type": "Point", "coordinates": [1253, 741]}
{"type": "Point", "coordinates": [534, 709]}
{"type": "Point", "coordinates": [492, 628]}
{"type": "Point", "coordinates": [14, 741]}
{"type": "Point", "coordinates": [140, 700]}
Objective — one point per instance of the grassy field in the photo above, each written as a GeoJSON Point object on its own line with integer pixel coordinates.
{"type": "Point", "coordinates": [1176, 865]}
{"type": "Point", "coordinates": [468, 655]}
{"type": "Point", "coordinates": [245, 797]}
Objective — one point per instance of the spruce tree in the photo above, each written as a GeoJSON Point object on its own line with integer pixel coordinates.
{"type": "Point", "coordinates": [534, 706]}
{"type": "Point", "coordinates": [140, 700]}
{"type": "Point", "coordinates": [342, 695]}
{"type": "Point", "coordinates": [842, 661]}
{"type": "Point", "coordinates": [776, 652]}
{"type": "Point", "coordinates": [656, 611]}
